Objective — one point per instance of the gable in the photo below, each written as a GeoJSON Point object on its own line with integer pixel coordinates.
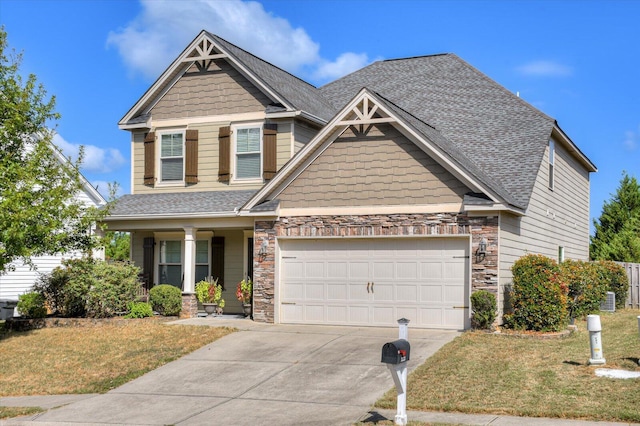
{"type": "Point", "coordinates": [372, 166]}
{"type": "Point", "coordinates": [219, 89]}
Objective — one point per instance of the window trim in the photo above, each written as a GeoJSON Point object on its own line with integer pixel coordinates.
{"type": "Point", "coordinates": [159, 264]}
{"type": "Point", "coordinates": [234, 153]}
{"type": "Point", "coordinates": [178, 236]}
{"type": "Point", "coordinates": [159, 134]}
{"type": "Point", "coordinates": [552, 160]}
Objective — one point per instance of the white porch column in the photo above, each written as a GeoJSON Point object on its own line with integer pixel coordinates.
{"type": "Point", "coordinates": [189, 259]}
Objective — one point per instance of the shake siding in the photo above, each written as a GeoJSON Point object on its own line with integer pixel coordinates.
{"type": "Point", "coordinates": [566, 224]}
{"type": "Point", "coordinates": [219, 90]}
{"type": "Point", "coordinates": [380, 168]}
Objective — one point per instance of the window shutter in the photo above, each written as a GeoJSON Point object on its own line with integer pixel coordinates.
{"type": "Point", "coordinates": [191, 166]}
{"type": "Point", "coordinates": [270, 159]}
{"type": "Point", "coordinates": [149, 158]}
{"type": "Point", "coordinates": [224, 140]}
{"type": "Point", "coordinates": [147, 261]}
{"type": "Point", "coordinates": [217, 259]}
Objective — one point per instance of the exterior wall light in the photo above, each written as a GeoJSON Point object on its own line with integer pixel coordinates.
{"type": "Point", "coordinates": [262, 252]}
{"type": "Point", "coordinates": [481, 252]}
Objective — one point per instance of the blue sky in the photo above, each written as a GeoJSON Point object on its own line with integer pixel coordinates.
{"type": "Point", "coordinates": [578, 61]}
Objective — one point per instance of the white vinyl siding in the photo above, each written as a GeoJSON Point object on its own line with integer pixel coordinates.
{"type": "Point", "coordinates": [172, 157]}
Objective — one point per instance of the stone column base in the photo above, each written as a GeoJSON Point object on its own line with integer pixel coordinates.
{"type": "Point", "coordinates": [189, 306]}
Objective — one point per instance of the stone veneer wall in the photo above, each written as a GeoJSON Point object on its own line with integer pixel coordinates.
{"type": "Point", "coordinates": [189, 306]}
{"type": "Point", "coordinates": [484, 268]}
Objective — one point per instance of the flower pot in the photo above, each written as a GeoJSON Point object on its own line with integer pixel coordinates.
{"type": "Point", "coordinates": [247, 309]}
{"type": "Point", "coordinates": [210, 308]}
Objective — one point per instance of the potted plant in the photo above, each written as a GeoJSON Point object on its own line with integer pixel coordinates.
{"type": "Point", "coordinates": [243, 293]}
{"type": "Point", "coordinates": [209, 293]}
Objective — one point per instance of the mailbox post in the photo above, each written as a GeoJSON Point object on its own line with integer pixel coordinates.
{"type": "Point", "coordinates": [395, 355]}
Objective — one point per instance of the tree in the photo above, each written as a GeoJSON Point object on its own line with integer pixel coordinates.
{"type": "Point", "coordinates": [116, 245]}
{"type": "Point", "coordinates": [39, 212]}
{"type": "Point", "coordinates": [617, 235]}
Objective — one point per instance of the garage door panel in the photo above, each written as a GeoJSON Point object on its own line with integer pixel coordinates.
{"type": "Point", "coordinates": [337, 291]}
{"type": "Point", "coordinates": [406, 292]}
{"type": "Point", "coordinates": [315, 291]}
{"type": "Point", "coordinates": [375, 281]}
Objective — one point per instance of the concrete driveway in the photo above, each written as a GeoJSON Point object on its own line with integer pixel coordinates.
{"type": "Point", "coordinates": [263, 374]}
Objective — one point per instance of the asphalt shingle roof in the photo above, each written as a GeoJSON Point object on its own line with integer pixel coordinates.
{"type": "Point", "coordinates": [494, 129]}
{"type": "Point", "coordinates": [300, 94]}
{"type": "Point", "coordinates": [180, 203]}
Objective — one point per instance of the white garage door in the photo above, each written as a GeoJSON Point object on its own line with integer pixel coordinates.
{"type": "Point", "coordinates": [375, 281]}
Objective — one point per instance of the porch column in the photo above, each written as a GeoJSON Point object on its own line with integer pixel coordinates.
{"type": "Point", "coordinates": [189, 259]}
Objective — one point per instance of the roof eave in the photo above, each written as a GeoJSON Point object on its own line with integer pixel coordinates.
{"type": "Point", "coordinates": [573, 148]}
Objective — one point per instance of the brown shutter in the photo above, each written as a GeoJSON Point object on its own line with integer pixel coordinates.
{"type": "Point", "coordinates": [224, 140]}
{"type": "Point", "coordinates": [217, 259]}
{"type": "Point", "coordinates": [191, 167]}
{"type": "Point", "coordinates": [269, 143]}
{"type": "Point", "coordinates": [147, 261]}
{"type": "Point", "coordinates": [149, 158]}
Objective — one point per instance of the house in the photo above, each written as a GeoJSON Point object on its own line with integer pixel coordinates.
{"type": "Point", "coordinates": [395, 191]}
{"type": "Point", "coordinates": [22, 277]}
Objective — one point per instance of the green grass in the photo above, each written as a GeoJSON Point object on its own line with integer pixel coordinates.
{"type": "Point", "coordinates": [485, 373]}
{"type": "Point", "coordinates": [8, 412]}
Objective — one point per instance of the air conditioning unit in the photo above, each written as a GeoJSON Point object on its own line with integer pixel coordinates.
{"type": "Point", "coordinates": [609, 304]}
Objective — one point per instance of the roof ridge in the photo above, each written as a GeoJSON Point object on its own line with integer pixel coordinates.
{"type": "Point", "coordinates": [261, 60]}
{"type": "Point", "coordinates": [417, 57]}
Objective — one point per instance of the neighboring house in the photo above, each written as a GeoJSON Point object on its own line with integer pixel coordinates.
{"type": "Point", "coordinates": [395, 191]}
{"type": "Point", "coordinates": [20, 280]}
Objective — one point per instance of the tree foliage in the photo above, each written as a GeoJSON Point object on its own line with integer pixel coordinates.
{"type": "Point", "coordinates": [116, 245]}
{"type": "Point", "coordinates": [39, 212]}
{"type": "Point", "coordinates": [617, 235]}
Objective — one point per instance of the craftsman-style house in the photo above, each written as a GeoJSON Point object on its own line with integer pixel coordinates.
{"type": "Point", "coordinates": [395, 191]}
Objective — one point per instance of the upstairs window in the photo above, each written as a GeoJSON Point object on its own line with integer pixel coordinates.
{"type": "Point", "coordinates": [172, 157]}
{"type": "Point", "coordinates": [248, 153]}
{"type": "Point", "coordinates": [552, 154]}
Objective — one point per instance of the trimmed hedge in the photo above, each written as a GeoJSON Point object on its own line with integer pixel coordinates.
{"type": "Point", "coordinates": [166, 299]}
{"type": "Point", "coordinates": [484, 308]}
{"type": "Point", "coordinates": [538, 296]}
{"type": "Point", "coordinates": [615, 276]}
{"type": "Point", "coordinates": [586, 289]}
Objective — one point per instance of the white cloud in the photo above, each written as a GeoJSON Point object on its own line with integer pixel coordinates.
{"type": "Point", "coordinates": [96, 159]}
{"type": "Point", "coordinates": [545, 69]}
{"type": "Point", "coordinates": [157, 36]}
{"type": "Point", "coordinates": [345, 64]}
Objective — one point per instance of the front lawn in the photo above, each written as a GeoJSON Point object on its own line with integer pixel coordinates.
{"type": "Point", "coordinates": [485, 373]}
{"type": "Point", "coordinates": [93, 359]}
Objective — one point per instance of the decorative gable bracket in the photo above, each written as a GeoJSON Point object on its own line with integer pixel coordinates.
{"type": "Point", "coordinates": [365, 112]}
{"type": "Point", "coordinates": [203, 54]}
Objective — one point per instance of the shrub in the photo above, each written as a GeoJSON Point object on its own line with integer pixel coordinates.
{"type": "Point", "coordinates": [139, 310]}
{"type": "Point", "coordinates": [166, 299]}
{"type": "Point", "coordinates": [81, 287]}
{"type": "Point", "coordinates": [615, 278]}
{"type": "Point", "coordinates": [538, 295]}
{"type": "Point", "coordinates": [484, 307]}
{"type": "Point", "coordinates": [65, 288]}
{"type": "Point", "coordinates": [586, 289]}
{"type": "Point", "coordinates": [113, 286]}
{"type": "Point", "coordinates": [31, 305]}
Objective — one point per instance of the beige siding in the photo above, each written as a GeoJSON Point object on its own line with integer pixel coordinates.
{"type": "Point", "coordinates": [303, 134]}
{"type": "Point", "coordinates": [208, 159]}
{"type": "Point", "coordinates": [555, 218]}
{"type": "Point", "coordinates": [284, 143]}
{"type": "Point", "coordinates": [233, 267]}
{"type": "Point", "coordinates": [379, 168]}
{"type": "Point", "coordinates": [137, 247]}
{"type": "Point", "coordinates": [220, 90]}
